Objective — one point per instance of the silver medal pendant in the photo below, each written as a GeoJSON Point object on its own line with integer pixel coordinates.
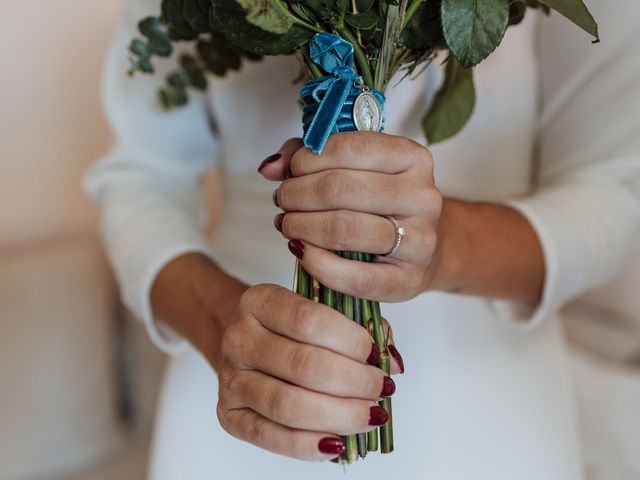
{"type": "Point", "coordinates": [367, 112]}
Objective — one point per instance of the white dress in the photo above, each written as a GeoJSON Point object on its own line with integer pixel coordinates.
{"type": "Point", "coordinates": [486, 394]}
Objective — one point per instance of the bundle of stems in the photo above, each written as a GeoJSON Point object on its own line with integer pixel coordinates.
{"type": "Point", "coordinates": [366, 313]}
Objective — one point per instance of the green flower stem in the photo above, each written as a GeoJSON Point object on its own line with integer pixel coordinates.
{"type": "Point", "coordinates": [361, 57]}
{"type": "Point", "coordinates": [304, 24]}
{"type": "Point", "coordinates": [351, 441]}
{"type": "Point", "coordinates": [386, 431]}
{"type": "Point", "coordinates": [304, 282]}
{"type": "Point", "coordinates": [367, 319]}
{"type": "Point", "coordinates": [412, 8]}
{"type": "Point", "coordinates": [327, 296]}
{"type": "Point", "coordinates": [357, 317]}
{"type": "Point", "coordinates": [315, 69]}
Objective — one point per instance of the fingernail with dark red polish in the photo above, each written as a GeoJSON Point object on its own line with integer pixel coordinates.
{"type": "Point", "coordinates": [397, 357]}
{"type": "Point", "coordinates": [277, 222]}
{"type": "Point", "coordinates": [331, 446]}
{"type": "Point", "coordinates": [268, 160]}
{"type": "Point", "coordinates": [275, 198]}
{"type": "Point", "coordinates": [388, 387]}
{"type": "Point", "coordinates": [297, 248]}
{"type": "Point", "coordinates": [378, 416]}
{"type": "Point", "coordinates": [374, 356]}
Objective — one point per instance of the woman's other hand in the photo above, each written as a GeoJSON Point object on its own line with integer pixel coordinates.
{"type": "Point", "coordinates": [296, 375]}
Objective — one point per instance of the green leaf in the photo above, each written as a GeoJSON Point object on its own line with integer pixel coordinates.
{"type": "Point", "coordinates": [196, 13]}
{"type": "Point", "coordinates": [161, 49]}
{"type": "Point", "coordinates": [194, 73]}
{"type": "Point", "coordinates": [154, 29]}
{"type": "Point", "coordinates": [229, 18]}
{"type": "Point", "coordinates": [474, 28]}
{"type": "Point", "coordinates": [452, 106]}
{"type": "Point", "coordinates": [363, 5]}
{"type": "Point", "coordinates": [173, 17]}
{"type": "Point", "coordinates": [270, 15]}
{"type": "Point", "coordinates": [517, 11]}
{"type": "Point", "coordinates": [577, 12]}
{"type": "Point", "coordinates": [140, 48]}
{"type": "Point", "coordinates": [363, 21]}
{"type": "Point", "coordinates": [425, 30]}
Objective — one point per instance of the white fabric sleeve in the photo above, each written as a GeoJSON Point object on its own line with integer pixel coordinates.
{"type": "Point", "coordinates": [148, 187]}
{"type": "Point", "coordinates": [585, 206]}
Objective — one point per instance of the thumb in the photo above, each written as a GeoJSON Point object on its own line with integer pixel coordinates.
{"type": "Point", "coordinates": [276, 166]}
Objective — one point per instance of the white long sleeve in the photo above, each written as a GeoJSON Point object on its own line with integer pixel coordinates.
{"type": "Point", "coordinates": [586, 204]}
{"type": "Point", "coordinates": [149, 186]}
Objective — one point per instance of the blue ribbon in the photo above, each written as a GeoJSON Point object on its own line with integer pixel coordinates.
{"type": "Point", "coordinates": [328, 101]}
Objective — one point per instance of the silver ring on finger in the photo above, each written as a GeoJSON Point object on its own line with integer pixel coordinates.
{"type": "Point", "coordinates": [400, 233]}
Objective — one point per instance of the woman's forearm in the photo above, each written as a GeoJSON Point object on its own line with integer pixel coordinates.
{"type": "Point", "coordinates": [196, 299]}
{"type": "Point", "coordinates": [489, 250]}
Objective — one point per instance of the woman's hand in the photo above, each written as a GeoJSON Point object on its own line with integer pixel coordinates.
{"type": "Point", "coordinates": [296, 374]}
{"type": "Point", "coordinates": [337, 201]}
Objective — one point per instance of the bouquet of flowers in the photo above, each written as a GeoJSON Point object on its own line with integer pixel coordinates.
{"type": "Point", "coordinates": [348, 52]}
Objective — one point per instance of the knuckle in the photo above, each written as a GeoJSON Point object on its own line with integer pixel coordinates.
{"type": "Point", "coordinates": [304, 321]}
{"type": "Point", "coordinates": [343, 144]}
{"type": "Point", "coordinates": [223, 417]}
{"type": "Point", "coordinates": [225, 380]}
{"type": "Point", "coordinates": [423, 155]}
{"type": "Point", "coordinates": [436, 199]}
{"type": "Point", "coordinates": [404, 144]}
{"type": "Point", "coordinates": [415, 280]}
{"type": "Point", "coordinates": [341, 229]}
{"type": "Point", "coordinates": [232, 341]}
{"type": "Point", "coordinates": [304, 363]}
{"type": "Point", "coordinates": [257, 430]}
{"type": "Point", "coordinates": [330, 186]}
{"type": "Point", "coordinates": [283, 407]}
{"type": "Point", "coordinates": [297, 161]}
{"type": "Point", "coordinates": [363, 341]}
{"type": "Point", "coordinates": [285, 193]}
{"type": "Point", "coordinates": [364, 283]}
{"type": "Point", "coordinates": [430, 241]}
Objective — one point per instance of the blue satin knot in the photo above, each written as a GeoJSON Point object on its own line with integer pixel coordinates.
{"type": "Point", "coordinates": [328, 101]}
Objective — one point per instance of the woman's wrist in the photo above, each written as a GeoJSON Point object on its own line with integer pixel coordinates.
{"type": "Point", "coordinates": [195, 298]}
{"type": "Point", "coordinates": [488, 250]}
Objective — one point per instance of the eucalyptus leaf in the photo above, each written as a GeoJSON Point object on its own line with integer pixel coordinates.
{"type": "Point", "coordinates": [577, 12]}
{"type": "Point", "coordinates": [452, 106]}
{"type": "Point", "coordinates": [474, 28]}
{"type": "Point", "coordinates": [195, 75]}
{"type": "Point", "coordinates": [154, 29]}
{"type": "Point", "coordinates": [270, 15]}
{"type": "Point", "coordinates": [140, 48]}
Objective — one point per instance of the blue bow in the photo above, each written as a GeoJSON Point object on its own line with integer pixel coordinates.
{"type": "Point", "coordinates": [335, 56]}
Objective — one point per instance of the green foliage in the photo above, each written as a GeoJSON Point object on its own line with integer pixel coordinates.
{"type": "Point", "coordinates": [452, 106]}
{"type": "Point", "coordinates": [387, 35]}
{"type": "Point", "coordinates": [270, 15]}
{"type": "Point", "coordinates": [577, 12]}
{"type": "Point", "coordinates": [228, 17]}
{"type": "Point", "coordinates": [474, 28]}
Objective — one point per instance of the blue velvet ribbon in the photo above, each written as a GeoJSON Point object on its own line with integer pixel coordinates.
{"type": "Point", "coordinates": [328, 101]}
